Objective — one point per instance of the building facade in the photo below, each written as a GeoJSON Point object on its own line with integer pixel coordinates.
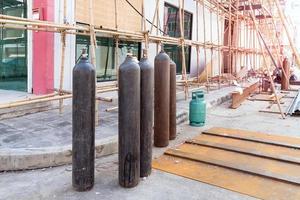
{"type": "Point", "coordinates": [31, 60]}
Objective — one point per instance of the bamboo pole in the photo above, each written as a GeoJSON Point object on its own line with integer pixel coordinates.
{"type": "Point", "coordinates": [229, 40]}
{"type": "Point", "coordinates": [270, 36]}
{"type": "Point", "coordinates": [126, 35]}
{"type": "Point", "coordinates": [116, 15]}
{"type": "Point", "coordinates": [211, 40]}
{"type": "Point", "coordinates": [284, 23]}
{"type": "Point", "coordinates": [111, 109]}
{"type": "Point", "coordinates": [154, 16]}
{"type": "Point", "coordinates": [93, 54]}
{"type": "Point", "coordinates": [34, 98]}
{"type": "Point", "coordinates": [219, 49]}
{"type": "Point", "coordinates": [197, 38]}
{"type": "Point", "coordinates": [48, 98]}
{"type": "Point", "coordinates": [181, 21]}
{"type": "Point", "coordinates": [117, 57]}
{"type": "Point", "coordinates": [265, 60]}
{"type": "Point", "coordinates": [204, 46]}
{"type": "Point", "coordinates": [62, 64]}
{"type": "Point", "coordinates": [157, 26]}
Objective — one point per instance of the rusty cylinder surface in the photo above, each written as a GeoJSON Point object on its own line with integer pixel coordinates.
{"type": "Point", "coordinates": [285, 81]}
{"type": "Point", "coordinates": [172, 100]}
{"type": "Point", "coordinates": [83, 125]}
{"type": "Point", "coordinates": [161, 99]}
{"type": "Point", "coordinates": [129, 123]}
{"type": "Point", "coordinates": [147, 109]}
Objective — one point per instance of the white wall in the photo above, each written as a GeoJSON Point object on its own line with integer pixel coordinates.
{"type": "Point", "coordinates": [70, 45]}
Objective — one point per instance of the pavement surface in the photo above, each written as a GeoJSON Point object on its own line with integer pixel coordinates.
{"type": "Point", "coordinates": [51, 129]}
{"type": "Point", "coordinates": [47, 129]}
{"type": "Point", "coordinates": [55, 183]}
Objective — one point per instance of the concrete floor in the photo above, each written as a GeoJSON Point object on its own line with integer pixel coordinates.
{"type": "Point", "coordinates": [55, 183]}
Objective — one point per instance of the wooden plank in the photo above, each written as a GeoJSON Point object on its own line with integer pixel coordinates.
{"type": "Point", "coordinates": [269, 168]}
{"type": "Point", "coordinates": [248, 7]}
{"type": "Point", "coordinates": [238, 98]}
{"type": "Point", "coordinates": [255, 186]}
{"type": "Point", "coordinates": [293, 142]}
{"type": "Point", "coordinates": [263, 17]}
{"type": "Point", "coordinates": [266, 97]}
{"type": "Point", "coordinates": [248, 147]}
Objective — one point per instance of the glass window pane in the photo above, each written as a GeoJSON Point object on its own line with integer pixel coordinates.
{"type": "Point", "coordinates": [172, 28]}
{"type": "Point", "coordinates": [13, 49]}
{"type": "Point", "coordinates": [105, 54]}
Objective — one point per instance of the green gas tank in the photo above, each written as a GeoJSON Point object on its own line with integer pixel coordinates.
{"type": "Point", "coordinates": [197, 113]}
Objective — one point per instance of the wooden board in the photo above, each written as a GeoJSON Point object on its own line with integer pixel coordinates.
{"type": "Point", "coordinates": [104, 14]}
{"type": "Point", "coordinates": [266, 97]}
{"type": "Point", "coordinates": [242, 161]}
{"type": "Point", "coordinates": [238, 98]}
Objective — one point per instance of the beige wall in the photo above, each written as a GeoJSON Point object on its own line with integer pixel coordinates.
{"type": "Point", "coordinates": [104, 14]}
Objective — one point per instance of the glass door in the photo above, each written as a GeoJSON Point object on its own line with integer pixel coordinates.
{"type": "Point", "coordinates": [13, 49]}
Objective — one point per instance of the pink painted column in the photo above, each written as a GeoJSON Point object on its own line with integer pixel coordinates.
{"type": "Point", "coordinates": [43, 51]}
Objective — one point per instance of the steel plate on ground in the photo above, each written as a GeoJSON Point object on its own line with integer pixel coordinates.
{"type": "Point", "coordinates": [260, 165]}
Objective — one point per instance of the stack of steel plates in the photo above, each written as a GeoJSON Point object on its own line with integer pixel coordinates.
{"type": "Point", "coordinates": [294, 108]}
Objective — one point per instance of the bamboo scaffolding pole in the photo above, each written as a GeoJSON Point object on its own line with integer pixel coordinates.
{"type": "Point", "coordinates": [49, 98]}
{"type": "Point", "coordinates": [204, 46]}
{"type": "Point", "coordinates": [271, 37]}
{"type": "Point", "coordinates": [62, 64]}
{"type": "Point", "coordinates": [137, 36]}
{"type": "Point", "coordinates": [229, 40]}
{"type": "Point", "coordinates": [111, 109]}
{"type": "Point", "coordinates": [106, 99]}
{"type": "Point", "coordinates": [116, 15]}
{"type": "Point", "coordinates": [197, 38]}
{"type": "Point", "coordinates": [181, 22]}
{"type": "Point", "coordinates": [93, 42]}
{"type": "Point", "coordinates": [117, 57]}
{"type": "Point", "coordinates": [157, 26]}
{"type": "Point", "coordinates": [219, 50]}
{"type": "Point", "coordinates": [236, 35]}
{"type": "Point", "coordinates": [34, 98]}
{"type": "Point", "coordinates": [144, 21]}
{"type": "Point", "coordinates": [252, 14]}
{"type": "Point", "coordinates": [211, 40]}
{"type": "Point", "coordinates": [284, 23]}
{"type": "Point", "coordinates": [154, 16]}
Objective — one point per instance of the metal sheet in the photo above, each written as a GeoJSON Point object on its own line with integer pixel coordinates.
{"type": "Point", "coordinates": [294, 108]}
{"type": "Point", "coordinates": [274, 169]}
{"type": "Point", "coordinates": [260, 165]}
{"type": "Point", "coordinates": [255, 186]}
{"type": "Point", "coordinates": [248, 147]}
{"type": "Point", "coordinates": [292, 142]}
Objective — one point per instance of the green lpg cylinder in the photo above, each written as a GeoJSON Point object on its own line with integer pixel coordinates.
{"type": "Point", "coordinates": [197, 109]}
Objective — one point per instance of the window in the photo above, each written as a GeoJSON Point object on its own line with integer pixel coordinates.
{"type": "Point", "coordinates": [13, 49]}
{"type": "Point", "coordinates": [172, 29]}
{"type": "Point", "coordinates": [105, 54]}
